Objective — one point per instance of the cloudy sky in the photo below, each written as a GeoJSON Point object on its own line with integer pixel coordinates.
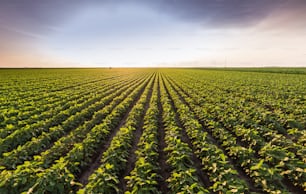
{"type": "Point", "coordinates": [146, 33]}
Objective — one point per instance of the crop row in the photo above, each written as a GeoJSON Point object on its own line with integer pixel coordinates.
{"type": "Point", "coordinates": [114, 160]}
{"type": "Point", "coordinates": [267, 172]}
{"type": "Point", "coordinates": [36, 145]}
{"type": "Point", "coordinates": [144, 176]}
{"type": "Point", "coordinates": [222, 174]}
{"type": "Point", "coordinates": [183, 178]}
{"type": "Point", "coordinates": [152, 131]}
{"type": "Point", "coordinates": [37, 110]}
{"type": "Point", "coordinates": [66, 167]}
{"type": "Point", "coordinates": [25, 134]}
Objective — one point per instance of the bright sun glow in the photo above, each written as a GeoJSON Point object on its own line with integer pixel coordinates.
{"type": "Point", "coordinates": [146, 34]}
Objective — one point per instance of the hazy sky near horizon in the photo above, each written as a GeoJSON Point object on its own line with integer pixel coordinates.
{"type": "Point", "coordinates": [137, 33]}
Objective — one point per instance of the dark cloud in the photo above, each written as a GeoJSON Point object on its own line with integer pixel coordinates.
{"type": "Point", "coordinates": [35, 15]}
{"type": "Point", "coordinates": [227, 13]}
{"type": "Point", "coordinates": [39, 14]}
{"type": "Point", "coordinates": [37, 18]}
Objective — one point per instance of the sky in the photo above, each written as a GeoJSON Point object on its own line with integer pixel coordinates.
{"type": "Point", "coordinates": [152, 33]}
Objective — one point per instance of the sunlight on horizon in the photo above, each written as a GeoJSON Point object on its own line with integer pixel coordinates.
{"type": "Point", "coordinates": [147, 34]}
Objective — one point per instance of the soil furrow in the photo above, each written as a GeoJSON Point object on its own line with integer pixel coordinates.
{"type": "Point", "coordinates": [196, 161]}
{"type": "Point", "coordinates": [292, 188]}
{"type": "Point", "coordinates": [84, 175]}
{"type": "Point", "coordinates": [164, 167]}
{"type": "Point", "coordinates": [137, 134]}
{"type": "Point", "coordinates": [240, 171]}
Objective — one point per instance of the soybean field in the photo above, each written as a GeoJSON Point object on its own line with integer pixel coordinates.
{"type": "Point", "coordinates": [134, 131]}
